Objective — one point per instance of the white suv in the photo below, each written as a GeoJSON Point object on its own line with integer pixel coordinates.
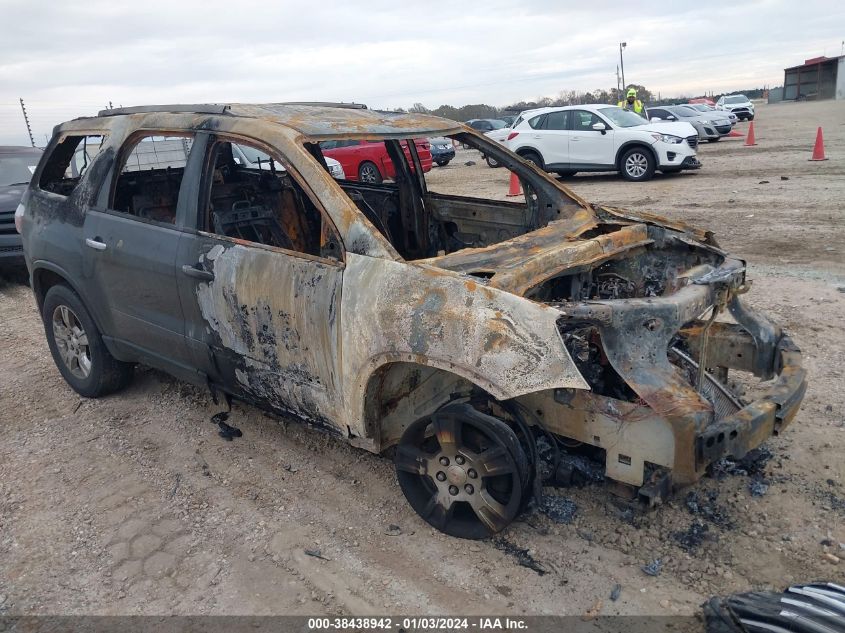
{"type": "Point", "coordinates": [740, 105]}
{"type": "Point", "coordinates": [569, 139]}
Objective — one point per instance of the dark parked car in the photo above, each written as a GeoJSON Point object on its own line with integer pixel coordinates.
{"type": "Point", "coordinates": [442, 150]}
{"type": "Point", "coordinates": [485, 125]}
{"type": "Point", "coordinates": [452, 330]}
{"type": "Point", "coordinates": [17, 165]}
{"type": "Point", "coordinates": [711, 126]}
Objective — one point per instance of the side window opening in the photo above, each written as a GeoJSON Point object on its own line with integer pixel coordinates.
{"type": "Point", "coordinates": [250, 195]}
{"type": "Point", "coordinates": [381, 180]}
{"type": "Point", "coordinates": [536, 122]}
{"type": "Point", "coordinates": [557, 120]}
{"type": "Point", "coordinates": [150, 176]}
{"type": "Point", "coordinates": [68, 163]}
{"type": "Point", "coordinates": [432, 215]}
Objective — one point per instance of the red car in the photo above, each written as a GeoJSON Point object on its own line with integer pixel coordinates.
{"type": "Point", "coordinates": [368, 161]}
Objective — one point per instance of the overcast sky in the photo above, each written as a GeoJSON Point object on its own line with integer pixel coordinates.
{"type": "Point", "coordinates": [69, 59]}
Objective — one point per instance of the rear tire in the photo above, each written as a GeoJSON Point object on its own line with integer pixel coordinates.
{"type": "Point", "coordinates": [637, 164]}
{"type": "Point", "coordinates": [369, 173]}
{"type": "Point", "coordinates": [77, 346]}
{"type": "Point", "coordinates": [566, 173]}
{"type": "Point", "coordinates": [534, 158]}
{"type": "Point", "coordinates": [714, 140]}
{"type": "Point", "coordinates": [442, 163]}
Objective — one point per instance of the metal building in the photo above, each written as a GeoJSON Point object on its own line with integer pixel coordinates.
{"type": "Point", "coordinates": [816, 78]}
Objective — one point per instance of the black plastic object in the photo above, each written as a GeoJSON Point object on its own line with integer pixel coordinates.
{"type": "Point", "coordinates": [811, 608]}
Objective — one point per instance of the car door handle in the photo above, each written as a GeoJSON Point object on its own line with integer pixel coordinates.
{"type": "Point", "coordinates": [95, 243]}
{"type": "Point", "coordinates": [198, 273]}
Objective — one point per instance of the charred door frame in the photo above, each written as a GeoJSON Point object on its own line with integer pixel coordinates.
{"type": "Point", "coordinates": [259, 349]}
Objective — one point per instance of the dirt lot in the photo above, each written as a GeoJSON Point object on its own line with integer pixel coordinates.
{"type": "Point", "coordinates": [133, 504]}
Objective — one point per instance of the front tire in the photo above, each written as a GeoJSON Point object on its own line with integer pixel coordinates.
{"type": "Point", "coordinates": [492, 162]}
{"type": "Point", "coordinates": [77, 346]}
{"type": "Point", "coordinates": [442, 163]}
{"type": "Point", "coordinates": [714, 140]}
{"type": "Point", "coordinates": [637, 164]}
{"type": "Point", "coordinates": [368, 172]}
{"type": "Point", "coordinates": [464, 472]}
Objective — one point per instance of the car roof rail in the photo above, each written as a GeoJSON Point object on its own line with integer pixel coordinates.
{"type": "Point", "coordinates": [327, 104]}
{"type": "Point", "coordinates": [199, 108]}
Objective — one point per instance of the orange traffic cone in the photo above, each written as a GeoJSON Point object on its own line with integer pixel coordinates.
{"type": "Point", "coordinates": [735, 134]}
{"type": "Point", "coordinates": [818, 149]}
{"type": "Point", "coordinates": [749, 140]}
{"type": "Point", "coordinates": [514, 189]}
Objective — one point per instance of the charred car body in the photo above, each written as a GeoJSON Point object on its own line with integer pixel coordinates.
{"type": "Point", "coordinates": [449, 329]}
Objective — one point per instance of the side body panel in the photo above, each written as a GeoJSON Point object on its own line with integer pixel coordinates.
{"type": "Point", "coordinates": [134, 279]}
{"type": "Point", "coordinates": [269, 323]}
{"type": "Point", "coordinates": [395, 312]}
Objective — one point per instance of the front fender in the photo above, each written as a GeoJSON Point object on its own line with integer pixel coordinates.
{"type": "Point", "coordinates": [396, 311]}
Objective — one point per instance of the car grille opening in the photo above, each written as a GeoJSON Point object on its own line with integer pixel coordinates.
{"type": "Point", "coordinates": [692, 141]}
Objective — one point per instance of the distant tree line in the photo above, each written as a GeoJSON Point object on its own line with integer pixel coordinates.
{"type": "Point", "coordinates": [565, 97]}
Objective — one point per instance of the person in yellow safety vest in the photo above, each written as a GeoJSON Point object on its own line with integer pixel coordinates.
{"type": "Point", "coordinates": [632, 103]}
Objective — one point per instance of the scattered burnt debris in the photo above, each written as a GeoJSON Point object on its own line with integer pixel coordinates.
{"type": "Point", "coordinates": [704, 505]}
{"type": "Point", "coordinates": [754, 463]}
{"type": "Point", "coordinates": [315, 553]}
{"type": "Point", "coordinates": [691, 538]}
{"type": "Point", "coordinates": [559, 466]}
{"type": "Point", "coordinates": [558, 509]}
{"type": "Point", "coordinates": [836, 503]}
{"type": "Point", "coordinates": [615, 592]}
{"type": "Point", "coordinates": [753, 466]}
{"type": "Point", "coordinates": [653, 568]}
{"type": "Point", "coordinates": [758, 488]}
{"type": "Point", "coordinates": [521, 556]}
{"type": "Point", "coordinates": [226, 431]}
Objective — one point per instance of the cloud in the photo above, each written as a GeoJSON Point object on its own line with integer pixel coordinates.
{"type": "Point", "coordinates": [71, 59]}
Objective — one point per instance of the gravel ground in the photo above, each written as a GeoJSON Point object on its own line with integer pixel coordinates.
{"type": "Point", "coordinates": [132, 503]}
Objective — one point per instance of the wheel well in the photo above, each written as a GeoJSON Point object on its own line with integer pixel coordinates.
{"type": "Point", "coordinates": [399, 393]}
{"type": "Point", "coordinates": [632, 145]}
{"type": "Point", "coordinates": [522, 151]}
{"type": "Point", "coordinates": [42, 280]}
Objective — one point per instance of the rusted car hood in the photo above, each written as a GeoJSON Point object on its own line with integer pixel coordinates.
{"type": "Point", "coordinates": [518, 264]}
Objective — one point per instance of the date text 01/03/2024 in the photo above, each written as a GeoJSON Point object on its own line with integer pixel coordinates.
{"type": "Point", "coordinates": [416, 623]}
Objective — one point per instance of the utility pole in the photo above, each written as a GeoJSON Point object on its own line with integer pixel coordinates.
{"type": "Point", "coordinates": [618, 89]}
{"type": "Point", "coordinates": [26, 119]}
{"type": "Point", "coordinates": [622, 62]}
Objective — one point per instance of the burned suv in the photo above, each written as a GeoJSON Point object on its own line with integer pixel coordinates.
{"type": "Point", "coordinates": [452, 331]}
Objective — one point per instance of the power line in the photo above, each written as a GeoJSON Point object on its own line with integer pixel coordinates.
{"type": "Point", "coordinates": [26, 120]}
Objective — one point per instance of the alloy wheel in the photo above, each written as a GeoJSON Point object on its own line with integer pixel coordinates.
{"type": "Point", "coordinates": [369, 174]}
{"type": "Point", "coordinates": [459, 474]}
{"type": "Point", "coordinates": [71, 341]}
{"type": "Point", "coordinates": [636, 165]}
